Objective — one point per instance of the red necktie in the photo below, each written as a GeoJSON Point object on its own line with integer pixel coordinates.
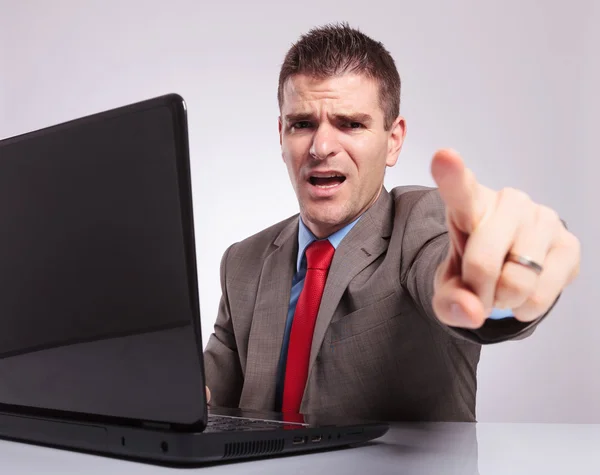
{"type": "Point", "coordinates": [318, 259]}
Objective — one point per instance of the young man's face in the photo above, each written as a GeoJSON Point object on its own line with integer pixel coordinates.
{"type": "Point", "coordinates": [335, 147]}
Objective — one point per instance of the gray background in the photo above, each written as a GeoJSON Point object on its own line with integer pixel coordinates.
{"type": "Point", "coordinates": [512, 85]}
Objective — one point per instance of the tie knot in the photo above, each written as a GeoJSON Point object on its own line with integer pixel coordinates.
{"type": "Point", "coordinates": [319, 254]}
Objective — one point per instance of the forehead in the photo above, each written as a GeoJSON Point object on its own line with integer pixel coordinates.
{"type": "Point", "coordinates": [348, 92]}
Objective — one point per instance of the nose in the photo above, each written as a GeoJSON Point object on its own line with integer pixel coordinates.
{"type": "Point", "coordinates": [324, 144]}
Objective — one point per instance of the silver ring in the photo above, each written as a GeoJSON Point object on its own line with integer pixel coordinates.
{"type": "Point", "coordinates": [524, 261]}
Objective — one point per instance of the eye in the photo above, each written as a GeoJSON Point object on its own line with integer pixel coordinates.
{"type": "Point", "coordinates": [353, 125]}
{"type": "Point", "coordinates": [302, 124]}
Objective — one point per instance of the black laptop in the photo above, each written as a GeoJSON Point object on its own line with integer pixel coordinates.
{"type": "Point", "coordinates": [100, 342]}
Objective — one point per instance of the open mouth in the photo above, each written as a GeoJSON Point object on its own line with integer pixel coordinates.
{"type": "Point", "coordinates": [327, 181]}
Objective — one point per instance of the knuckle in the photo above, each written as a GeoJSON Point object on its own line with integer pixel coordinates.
{"type": "Point", "coordinates": [514, 195]}
{"type": "Point", "coordinates": [574, 245]}
{"type": "Point", "coordinates": [546, 215]}
{"type": "Point", "coordinates": [480, 268]}
{"type": "Point", "coordinates": [512, 287]}
{"type": "Point", "coordinates": [526, 316]}
{"type": "Point", "coordinates": [572, 242]}
{"type": "Point", "coordinates": [575, 272]}
{"type": "Point", "coordinates": [569, 244]}
{"type": "Point", "coordinates": [538, 303]}
{"type": "Point", "coordinates": [576, 248]}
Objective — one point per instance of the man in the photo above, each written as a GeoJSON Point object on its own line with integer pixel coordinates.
{"type": "Point", "coordinates": [374, 303]}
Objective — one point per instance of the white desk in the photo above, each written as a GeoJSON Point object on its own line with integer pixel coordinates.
{"type": "Point", "coordinates": [407, 449]}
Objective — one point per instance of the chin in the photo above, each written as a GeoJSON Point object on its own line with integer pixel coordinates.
{"type": "Point", "coordinates": [325, 216]}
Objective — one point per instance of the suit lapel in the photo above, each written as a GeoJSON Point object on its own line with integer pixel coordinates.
{"type": "Point", "coordinates": [268, 323]}
{"type": "Point", "coordinates": [365, 242]}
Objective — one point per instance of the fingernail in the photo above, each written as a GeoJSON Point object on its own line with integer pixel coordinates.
{"type": "Point", "coordinates": [459, 316]}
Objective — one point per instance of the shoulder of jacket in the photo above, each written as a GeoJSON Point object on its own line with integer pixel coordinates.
{"type": "Point", "coordinates": [259, 244]}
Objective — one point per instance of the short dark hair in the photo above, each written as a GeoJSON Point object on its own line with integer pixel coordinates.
{"type": "Point", "coordinates": [336, 49]}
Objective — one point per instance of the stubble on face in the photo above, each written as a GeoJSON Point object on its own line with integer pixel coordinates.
{"type": "Point", "coordinates": [335, 147]}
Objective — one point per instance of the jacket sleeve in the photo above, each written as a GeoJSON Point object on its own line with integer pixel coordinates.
{"type": "Point", "coordinates": [222, 366]}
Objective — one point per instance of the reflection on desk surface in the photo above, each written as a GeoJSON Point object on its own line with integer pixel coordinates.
{"type": "Point", "coordinates": [489, 449]}
{"type": "Point", "coordinates": [407, 449]}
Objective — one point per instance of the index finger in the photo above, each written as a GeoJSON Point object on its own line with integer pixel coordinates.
{"type": "Point", "coordinates": [459, 190]}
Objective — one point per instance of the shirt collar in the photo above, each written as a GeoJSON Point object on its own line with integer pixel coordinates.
{"type": "Point", "coordinates": [305, 237]}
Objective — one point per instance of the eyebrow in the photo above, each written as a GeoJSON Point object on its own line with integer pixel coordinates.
{"type": "Point", "coordinates": [299, 117]}
{"type": "Point", "coordinates": [351, 117]}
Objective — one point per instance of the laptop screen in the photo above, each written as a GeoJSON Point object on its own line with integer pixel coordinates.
{"type": "Point", "coordinates": [98, 289]}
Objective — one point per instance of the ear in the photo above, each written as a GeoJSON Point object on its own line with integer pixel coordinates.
{"type": "Point", "coordinates": [280, 128]}
{"type": "Point", "coordinates": [279, 125]}
{"type": "Point", "coordinates": [395, 140]}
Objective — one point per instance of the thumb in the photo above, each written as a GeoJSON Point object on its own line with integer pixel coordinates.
{"type": "Point", "coordinates": [459, 189]}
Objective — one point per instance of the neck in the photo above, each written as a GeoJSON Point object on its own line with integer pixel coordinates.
{"type": "Point", "coordinates": [323, 230]}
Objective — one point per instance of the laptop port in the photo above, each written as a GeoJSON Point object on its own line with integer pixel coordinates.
{"type": "Point", "coordinates": [316, 438]}
{"type": "Point", "coordinates": [299, 440]}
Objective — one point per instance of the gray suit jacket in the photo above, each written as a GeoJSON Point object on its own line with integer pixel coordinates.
{"type": "Point", "coordinates": [378, 351]}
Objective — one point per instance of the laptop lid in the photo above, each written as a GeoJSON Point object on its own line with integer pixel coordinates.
{"type": "Point", "coordinates": [99, 312]}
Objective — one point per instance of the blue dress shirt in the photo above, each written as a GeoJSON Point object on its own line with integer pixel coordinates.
{"type": "Point", "coordinates": [305, 237]}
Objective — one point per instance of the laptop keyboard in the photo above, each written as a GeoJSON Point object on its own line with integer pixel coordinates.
{"type": "Point", "coordinates": [229, 423]}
